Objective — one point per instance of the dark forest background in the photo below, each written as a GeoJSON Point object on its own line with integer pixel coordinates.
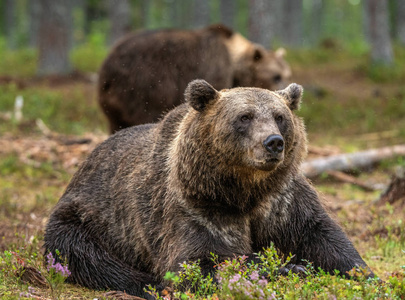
{"type": "Point", "coordinates": [59, 33]}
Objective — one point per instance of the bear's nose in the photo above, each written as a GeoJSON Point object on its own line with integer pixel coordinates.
{"type": "Point", "coordinates": [274, 143]}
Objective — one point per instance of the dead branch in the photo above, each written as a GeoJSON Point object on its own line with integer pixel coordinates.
{"type": "Point", "coordinates": [118, 295]}
{"type": "Point", "coordinates": [43, 128]}
{"type": "Point", "coordinates": [349, 161]}
{"type": "Point", "coordinates": [351, 179]}
{"type": "Point", "coordinates": [322, 151]}
{"type": "Point", "coordinates": [33, 277]}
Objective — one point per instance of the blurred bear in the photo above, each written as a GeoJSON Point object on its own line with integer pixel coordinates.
{"type": "Point", "coordinates": [146, 73]}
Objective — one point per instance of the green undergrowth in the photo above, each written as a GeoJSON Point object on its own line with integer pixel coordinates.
{"type": "Point", "coordinates": [24, 258]}
{"type": "Point", "coordinates": [340, 56]}
{"type": "Point", "coordinates": [356, 117]}
{"type": "Point", "coordinates": [239, 279]}
{"type": "Point", "coordinates": [346, 122]}
{"type": "Point", "coordinates": [89, 56]}
{"type": "Point", "coordinates": [23, 62]}
{"type": "Point", "coordinates": [66, 111]}
{"type": "Point", "coordinates": [17, 62]}
{"type": "Point", "coordinates": [26, 188]}
{"type": "Point", "coordinates": [236, 278]}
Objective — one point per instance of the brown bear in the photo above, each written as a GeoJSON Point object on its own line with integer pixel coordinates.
{"type": "Point", "coordinates": [147, 72]}
{"type": "Point", "coordinates": [219, 173]}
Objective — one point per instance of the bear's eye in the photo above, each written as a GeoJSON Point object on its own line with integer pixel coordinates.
{"type": "Point", "coordinates": [245, 118]}
{"type": "Point", "coordinates": [279, 119]}
{"type": "Point", "coordinates": [277, 78]}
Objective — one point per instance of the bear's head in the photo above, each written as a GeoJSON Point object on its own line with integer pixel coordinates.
{"type": "Point", "coordinates": [254, 66]}
{"type": "Point", "coordinates": [232, 147]}
{"type": "Point", "coordinates": [246, 129]}
{"type": "Point", "coordinates": [259, 67]}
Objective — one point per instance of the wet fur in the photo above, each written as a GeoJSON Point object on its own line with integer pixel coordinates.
{"type": "Point", "coordinates": [153, 196]}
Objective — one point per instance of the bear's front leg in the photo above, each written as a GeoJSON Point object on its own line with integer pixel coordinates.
{"type": "Point", "coordinates": [310, 234]}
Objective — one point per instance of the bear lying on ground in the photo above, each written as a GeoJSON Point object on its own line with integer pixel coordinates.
{"type": "Point", "coordinates": [219, 173]}
{"type": "Point", "coordinates": [144, 66]}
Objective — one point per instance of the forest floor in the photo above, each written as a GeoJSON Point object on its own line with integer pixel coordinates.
{"type": "Point", "coordinates": [344, 110]}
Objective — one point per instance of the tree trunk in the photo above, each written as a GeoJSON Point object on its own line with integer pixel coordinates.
{"type": "Point", "coordinates": [316, 21]}
{"type": "Point", "coordinates": [400, 21]}
{"type": "Point", "coordinates": [377, 14]}
{"type": "Point", "coordinates": [261, 20]}
{"type": "Point", "coordinates": [55, 36]}
{"type": "Point", "coordinates": [119, 16]}
{"type": "Point", "coordinates": [366, 21]}
{"type": "Point", "coordinates": [227, 10]}
{"type": "Point", "coordinates": [145, 13]}
{"type": "Point", "coordinates": [201, 13]}
{"type": "Point", "coordinates": [184, 17]}
{"type": "Point", "coordinates": [10, 23]}
{"type": "Point", "coordinates": [34, 10]}
{"type": "Point", "coordinates": [292, 14]}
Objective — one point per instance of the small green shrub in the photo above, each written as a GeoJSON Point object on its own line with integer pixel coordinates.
{"type": "Point", "coordinates": [89, 56]}
{"type": "Point", "coordinates": [237, 278]}
{"type": "Point", "coordinates": [20, 62]}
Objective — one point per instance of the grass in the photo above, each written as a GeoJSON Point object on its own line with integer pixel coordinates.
{"type": "Point", "coordinates": [237, 279]}
{"type": "Point", "coordinates": [347, 103]}
{"type": "Point", "coordinates": [66, 111]}
{"type": "Point", "coordinates": [95, 49]}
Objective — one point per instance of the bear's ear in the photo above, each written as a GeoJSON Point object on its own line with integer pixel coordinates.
{"type": "Point", "coordinates": [199, 93]}
{"type": "Point", "coordinates": [221, 30]}
{"type": "Point", "coordinates": [280, 53]}
{"type": "Point", "coordinates": [258, 53]}
{"type": "Point", "coordinates": [293, 95]}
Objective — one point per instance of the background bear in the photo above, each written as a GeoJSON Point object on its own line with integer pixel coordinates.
{"type": "Point", "coordinates": [219, 173]}
{"type": "Point", "coordinates": [147, 72]}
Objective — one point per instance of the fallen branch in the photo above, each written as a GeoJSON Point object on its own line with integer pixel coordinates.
{"type": "Point", "coordinates": [349, 161]}
{"type": "Point", "coordinates": [322, 151]}
{"type": "Point", "coordinates": [44, 129]}
{"type": "Point", "coordinates": [350, 179]}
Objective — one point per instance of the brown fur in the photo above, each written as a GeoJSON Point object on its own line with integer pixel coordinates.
{"type": "Point", "coordinates": [147, 72]}
{"type": "Point", "coordinates": [199, 181]}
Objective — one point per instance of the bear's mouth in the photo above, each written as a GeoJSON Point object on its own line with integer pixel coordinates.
{"type": "Point", "coordinates": [268, 164]}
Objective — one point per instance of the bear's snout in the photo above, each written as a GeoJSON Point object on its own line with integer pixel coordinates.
{"type": "Point", "coordinates": [274, 144]}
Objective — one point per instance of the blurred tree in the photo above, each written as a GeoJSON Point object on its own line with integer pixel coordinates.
{"type": "Point", "coordinates": [95, 10]}
{"type": "Point", "coordinates": [34, 10]}
{"type": "Point", "coordinates": [145, 13]}
{"type": "Point", "coordinates": [378, 28]}
{"type": "Point", "coordinates": [315, 21]}
{"type": "Point", "coordinates": [227, 9]}
{"type": "Point", "coordinates": [180, 13]}
{"type": "Point", "coordinates": [10, 23]}
{"type": "Point", "coordinates": [400, 21]}
{"type": "Point", "coordinates": [119, 16]}
{"type": "Point", "coordinates": [54, 36]}
{"type": "Point", "coordinates": [201, 13]}
{"type": "Point", "coordinates": [261, 20]}
{"type": "Point", "coordinates": [291, 23]}
{"type": "Point", "coordinates": [366, 21]}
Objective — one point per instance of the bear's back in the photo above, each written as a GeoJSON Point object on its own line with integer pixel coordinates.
{"type": "Point", "coordinates": [147, 72]}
